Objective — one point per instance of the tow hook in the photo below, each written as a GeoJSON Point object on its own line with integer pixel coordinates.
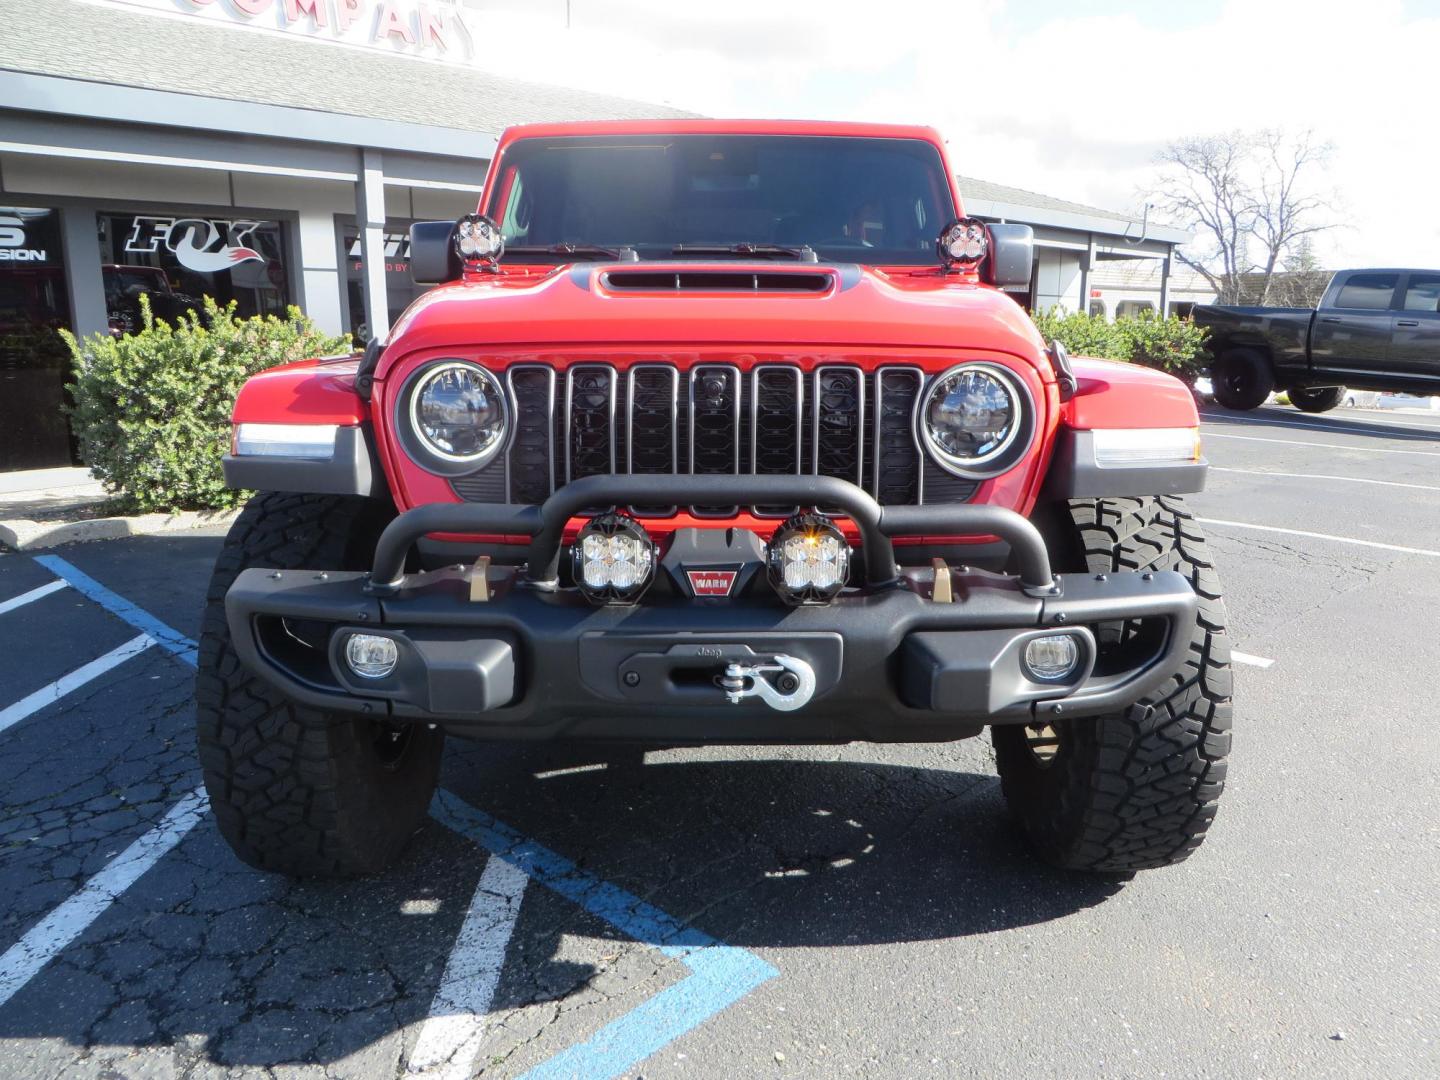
{"type": "Point", "coordinates": [793, 687]}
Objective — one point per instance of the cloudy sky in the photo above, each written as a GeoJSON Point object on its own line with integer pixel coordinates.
{"type": "Point", "coordinates": [1073, 99]}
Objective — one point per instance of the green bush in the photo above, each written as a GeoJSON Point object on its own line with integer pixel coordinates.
{"type": "Point", "coordinates": [1171, 344]}
{"type": "Point", "coordinates": [152, 409]}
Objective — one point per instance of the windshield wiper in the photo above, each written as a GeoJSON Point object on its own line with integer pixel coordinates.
{"type": "Point", "coordinates": [805, 253]}
{"type": "Point", "coordinates": [588, 251]}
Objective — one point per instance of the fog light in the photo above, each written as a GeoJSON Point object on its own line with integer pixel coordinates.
{"type": "Point", "coordinates": [808, 560]}
{"type": "Point", "coordinates": [614, 559]}
{"type": "Point", "coordinates": [371, 656]}
{"type": "Point", "coordinates": [1052, 657]}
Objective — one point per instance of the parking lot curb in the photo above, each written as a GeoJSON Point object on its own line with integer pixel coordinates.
{"type": "Point", "coordinates": [23, 534]}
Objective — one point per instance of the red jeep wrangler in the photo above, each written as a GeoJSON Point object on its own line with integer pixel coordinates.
{"type": "Point", "coordinates": [714, 432]}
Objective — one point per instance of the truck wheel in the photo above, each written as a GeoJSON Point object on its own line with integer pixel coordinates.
{"type": "Point", "coordinates": [294, 789]}
{"type": "Point", "coordinates": [1317, 399]}
{"type": "Point", "coordinates": [1137, 788]}
{"type": "Point", "coordinates": [1242, 379]}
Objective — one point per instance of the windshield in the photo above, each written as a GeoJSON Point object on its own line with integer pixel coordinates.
{"type": "Point", "coordinates": [877, 201]}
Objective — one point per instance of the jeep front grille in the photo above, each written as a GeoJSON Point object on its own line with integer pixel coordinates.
{"type": "Point", "coordinates": [712, 419]}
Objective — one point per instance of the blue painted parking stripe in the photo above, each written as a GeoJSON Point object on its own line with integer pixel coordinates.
{"type": "Point", "coordinates": [166, 637]}
{"type": "Point", "coordinates": [720, 974]}
{"type": "Point", "coordinates": [723, 974]}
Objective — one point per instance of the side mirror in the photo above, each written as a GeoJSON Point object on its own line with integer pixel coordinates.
{"type": "Point", "coordinates": [432, 253]}
{"type": "Point", "coordinates": [1012, 256]}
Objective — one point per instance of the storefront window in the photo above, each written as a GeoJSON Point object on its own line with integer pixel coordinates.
{"type": "Point", "coordinates": [34, 362]}
{"type": "Point", "coordinates": [399, 289]}
{"type": "Point", "coordinates": [175, 259]}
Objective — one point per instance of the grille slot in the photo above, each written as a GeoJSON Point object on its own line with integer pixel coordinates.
{"type": "Point", "coordinates": [777, 420]}
{"type": "Point", "coordinates": [897, 457]}
{"type": "Point", "coordinates": [532, 450]}
{"type": "Point", "coordinates": [589, 421]}
{"type": "Point", "coordinates": [655, 419]}
{"type": "Point", "coordinates": [653, 431]}
{"type": "Point", "coordinates": [715, 436]}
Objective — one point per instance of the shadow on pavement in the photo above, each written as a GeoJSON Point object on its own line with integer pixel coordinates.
{"type": "Point", "coordinates": [1394, 428]}
{"type": "Point", "coordinates": [774, 850]}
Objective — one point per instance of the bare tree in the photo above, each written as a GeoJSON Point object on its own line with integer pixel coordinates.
{"type": "Point", "coordinates": [1251, 198]}
{"type": "Point", "coordinates": [1302, 281]}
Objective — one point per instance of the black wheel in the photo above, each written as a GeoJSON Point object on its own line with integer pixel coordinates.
{"type": "Point", "coordinates": [1242, 379]}
{"type": "Point", "coordinates": [297, 790]}
{"type": "Point", "coordinates": [1135, 789]}
{"type": "Point", "coordinates": [1317, 399]}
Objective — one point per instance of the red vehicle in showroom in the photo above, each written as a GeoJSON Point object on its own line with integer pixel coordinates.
{"type": "Point", "coordinates": [725, 432]}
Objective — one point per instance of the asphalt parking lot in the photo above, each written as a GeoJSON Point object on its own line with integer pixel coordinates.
{"type": "Point", "coordinates": [725, 912]}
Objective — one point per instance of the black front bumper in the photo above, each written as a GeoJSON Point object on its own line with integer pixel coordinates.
{"type": "Point", "coordinates": [523, 658]}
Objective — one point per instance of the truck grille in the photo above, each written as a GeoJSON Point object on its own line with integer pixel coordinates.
{"type": "Point", "coordinates": [712, 419]}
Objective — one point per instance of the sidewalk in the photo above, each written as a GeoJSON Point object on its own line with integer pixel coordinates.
{"type": "Point", "coordinates": [41, 508]}
{"type": "Point", "coordinates": [37, 493]}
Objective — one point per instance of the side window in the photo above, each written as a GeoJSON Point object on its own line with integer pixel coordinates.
{"type": "Point", "coordinates": [1423, 294]}
{"type": "Point", "coordinates": [1367, 292]}
{"type": "Point", "coordinates": [516, 221]}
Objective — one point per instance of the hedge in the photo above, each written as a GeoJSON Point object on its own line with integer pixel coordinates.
{"type": "Point", "coordinates": [1171, 344]}
{"type": "Point", "coordinates": [152, 409]}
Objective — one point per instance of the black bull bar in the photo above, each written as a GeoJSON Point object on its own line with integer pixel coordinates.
{"type": "Point", "coordinates": [545, 524]}
{"type": "Point", "coordinates": [893, 660]}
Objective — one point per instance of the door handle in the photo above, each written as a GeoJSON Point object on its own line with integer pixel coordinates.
{"type": "Point", "coordinates": [1330, 318]}
{"type": "Point", "coordinates": [1407, 322]}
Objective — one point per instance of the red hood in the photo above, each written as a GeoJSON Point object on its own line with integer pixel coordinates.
{"type": "Point", "coordinates": [859, 306]}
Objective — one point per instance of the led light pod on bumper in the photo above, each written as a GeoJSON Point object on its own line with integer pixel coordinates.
{"type": "Point", "coordinates": [808, 560]}
{"type": "Point", "coordinates": [613, 559]}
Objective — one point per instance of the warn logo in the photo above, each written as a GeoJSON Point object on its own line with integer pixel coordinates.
{"type": "Point", "coordinates": [711, 582]}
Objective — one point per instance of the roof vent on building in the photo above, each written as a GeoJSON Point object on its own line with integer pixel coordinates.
{"type": "Point", "coordinates": [717, 281]}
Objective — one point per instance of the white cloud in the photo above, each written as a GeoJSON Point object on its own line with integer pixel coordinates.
{"type": "Point", "coordinates": [1077, 107]}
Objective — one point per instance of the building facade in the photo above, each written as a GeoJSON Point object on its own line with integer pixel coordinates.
{"type": "Point", "coordinates": [230, 149]}
{"type": "Point", "coordinates": [274, 153]}
{"type": "Point", "coordinates": [1089, 259]}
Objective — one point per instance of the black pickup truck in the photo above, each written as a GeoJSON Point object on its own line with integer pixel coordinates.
{"type": "Point", "coordinates": [1373, 330]}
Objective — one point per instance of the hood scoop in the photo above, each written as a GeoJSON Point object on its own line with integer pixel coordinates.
{"type": "Point", "coordinates": [724, 281]}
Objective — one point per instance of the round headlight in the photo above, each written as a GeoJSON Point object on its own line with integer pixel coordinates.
{"type": "Point", "coordinates": [458, 411]}
{"type": "Point", "coordinates": [970, 417]}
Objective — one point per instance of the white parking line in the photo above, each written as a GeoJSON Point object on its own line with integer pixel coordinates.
{"type": "Point", "coordinates": [1323, 476]}
{"type": "Point", "coordinates": [1321, 445]}
{"type": "Point", "coordinates": [1321, 536]}
{"type": "Point", "coordinates": [31, 596]}
{"type": "Point", "coordinates": [1250, 659]}
{"type": "Point", "coordinates": [33, 703]}
{"type": "Point", "coordinates": [32, 952]}
{"type": "Point", "coordinates": [450, 1041]}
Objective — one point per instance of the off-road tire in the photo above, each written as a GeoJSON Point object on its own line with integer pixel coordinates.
{"type": "Point", "coordinates": [297, 790]}
{"type": "Point", "coordinates": [1242, 379]}
{"type": "Point", "coordinates": [1134, 789]}
{"type": "Point", "coordinates": [1317, 399]}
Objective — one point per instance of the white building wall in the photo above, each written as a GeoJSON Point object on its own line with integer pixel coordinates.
{"type": "Point", "coordinates": [1057, 279]}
